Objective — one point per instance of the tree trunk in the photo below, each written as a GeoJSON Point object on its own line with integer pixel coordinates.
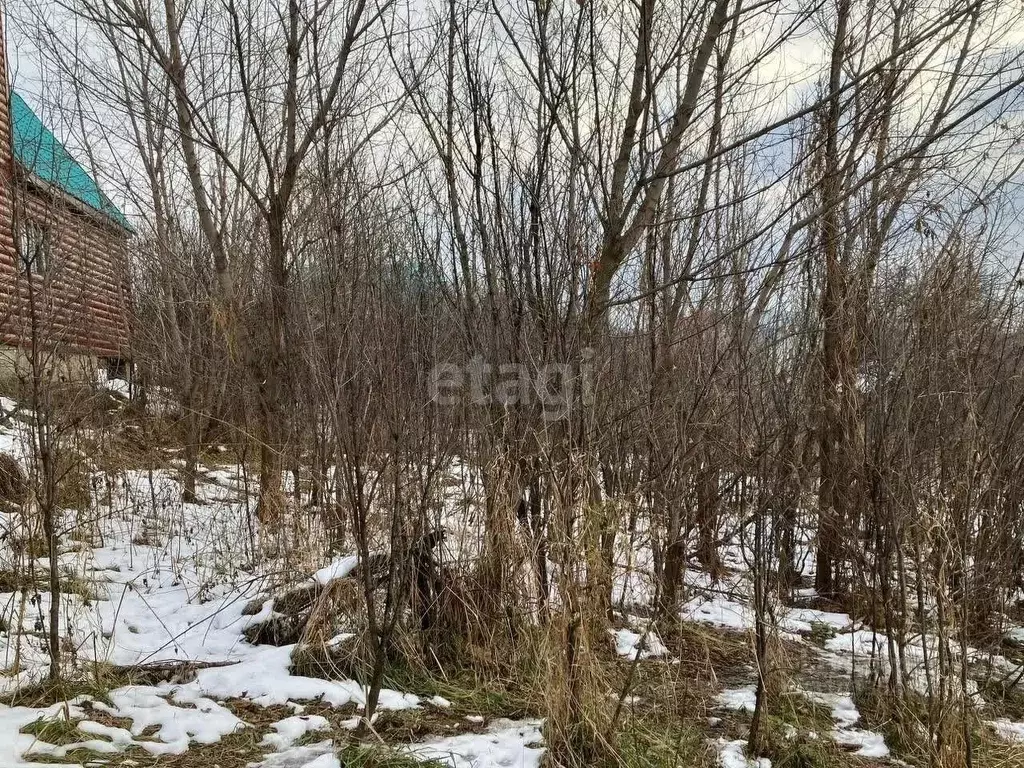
{"type": "Point", "coordinates": [188, 472]}
{"type": "Point", "coordinates": [707, 517]}
{"type": "Point", "coordinates": [675, 557]}
{"type": "Point", "coordinates": [272, 502]}
{"type": "Point", "coordinates": [833, 470]}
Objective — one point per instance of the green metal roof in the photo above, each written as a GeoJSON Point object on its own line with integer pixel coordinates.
{"type": "Point", "coordinates": [38, 151]}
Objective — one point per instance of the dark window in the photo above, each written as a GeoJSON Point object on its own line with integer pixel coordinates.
{"type": "Point", "coordinates": [117, 368]}
{"type": "Point", "coordinates": [34, 246]}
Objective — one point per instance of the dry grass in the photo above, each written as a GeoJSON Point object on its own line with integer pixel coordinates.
{"type": "Point", "coordinates": [469, 692]}
{"type": "Point", "coordinates": [726, 652]}
{"type": "Point", "coordinates": [58, 731]}
{"type": "Point", "coordinates": [1003, 698]}
{"type": "Point", "coordinates": [369, 756]}
{"type": "Point", "coordinates": [989, 751]}
{"type": "Point", "coordinates": [640, 746]}
{"type": "Point", "coordinates": [905, 723]}
{"type": "Point", "coordinates": [46, 693]}
{"type": "Point", "coordinates": [236, 750]}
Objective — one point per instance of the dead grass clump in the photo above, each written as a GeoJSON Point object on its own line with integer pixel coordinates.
{"type": "Point", "coordinates": [125, 439]}
{"type": "Point", "coordinates": [381, 756]}
{"type": "Point", "coordinates": [641, 746]}
{"type": "Point", "coordinates": [470, 691]}
{"type": "Point", "coordinates": [790, 747]}
{"type": "Point", "coordinates": [309, 612]}
{"type": "Point", "coordinates": [256, 715]}
{"type": "Point", "coordinates": [73, 486]}
{"type": "Point", "coordinates": [346, 658]}
{"type": "Point", "coordinates": [662, 720]}
{"type": "Point", "coordinates": [665, 693]}
{"type": "Point", "coordinates": [321, 650]}
{"type": "Point", "coordinates": [797, 734]}
{"type": "Point", "coordinates": [1003, 698]}
{"type": "Point", "coordinates": [52, 692]}
{"type": "Point", "coordinates": [922, 733]}
{"type": "Point", "coordinates": [576, 698]}
{"type": "Point", "coordinates": [73, 584]}
{"type": "Point", "coordinates": [901, 721]}
{"type": "Point", "coordinates": [277, 630]}
{"type": "Point", "coordinates": [990, 751]}
{"type": "Point", "coordinates": [404, 726]}
{"type": "Point", "coordinates": [17, 580]}
{"type": "Point", "coordinates": [716, 653]}
{"type": "Point", "coordinates": [340, 604]}
{"type": "Point", "coordinates": [13, 483]}
{"type": "Point", "coordinates": [58, 731]}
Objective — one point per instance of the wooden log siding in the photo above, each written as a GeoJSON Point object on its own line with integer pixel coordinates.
{"type": "Point", "coordinates": [81, 298]}
{"type": "Point", "coordinates": [8, 257]}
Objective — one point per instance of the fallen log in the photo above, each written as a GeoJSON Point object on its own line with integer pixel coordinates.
{"type": "Point", "coordinates": [300, 597]}
{"type": "Point", "coordinates": [171, 671]}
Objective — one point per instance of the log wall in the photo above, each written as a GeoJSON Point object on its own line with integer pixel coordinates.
{"type": "Point", "coordinates": [7, 252]}
{"type": "Point", "coordinates": [78, 304]}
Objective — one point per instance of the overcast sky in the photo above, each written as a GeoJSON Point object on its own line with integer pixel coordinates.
{"type": "Point", "coordinates": [785, 76]}
{"type": "Point", "coordinates": [50, 102]}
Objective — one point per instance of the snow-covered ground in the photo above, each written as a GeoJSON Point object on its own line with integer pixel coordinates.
{"type": "Point", "coordinates": [506, 744]}
{"type": "Point", "coordinates": [163, 581]}
{"type": "Point", "coordinates": [168, 587]}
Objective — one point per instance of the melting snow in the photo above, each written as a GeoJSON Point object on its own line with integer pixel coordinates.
{"type": "Point", "coordinates": [627, 643]}
{"type": "Point", "coordinates": [326, 760]}
{"type": "Point", "coordinates": [301, 757]}
{"type": "Point", "coordinates": [1015, 635]}
{"type": "Point", "coordinates": [846, 715]}
{"type": "Point", "coordinates": [730, 755]}
{"type": "Point", "coordinates": [339, 569]}
{"type": "Point", "coordinates": [168, 588]}
{"type": "Point", "coordinates": [291, 729]}
{"type": "Point", "coordinates": [507, 744]}
{"type": "Point", "coordinates": [741, 699]}
{"type": "Point", "coordinates": [1008, 730]}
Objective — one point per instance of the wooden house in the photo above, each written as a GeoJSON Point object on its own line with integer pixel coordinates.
{"type": "Point", "coordinates": [63, 252]}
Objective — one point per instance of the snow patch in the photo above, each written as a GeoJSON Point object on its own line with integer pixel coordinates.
{"type": "Point", "coordinates": [1015, 636]}
{"type": "Point", "coordinates": [507, 744]}
{"type": "Point", "coordinates": [730, 755]}
{"type": "Point", "coordinates": [324, 761]}
{"type": "Point", "coordinates": [291, 729]}
{"type": "Point", "coordinates": [846, 715]}
{"type": "Point", "coordinates": [627, 643]}
{"type": "Point", "coordinates": [719, 612]}
{"type": "Point", "coordinates": [204, 721]}
{"type": "Point", "coordinates": [339, 569]}
{"type": "Point", "coordinates": [1008, 730]}
{"type": "Point", "coordinates": [299, 757]}
{"type": "Point", "coordinates": [740, 699]}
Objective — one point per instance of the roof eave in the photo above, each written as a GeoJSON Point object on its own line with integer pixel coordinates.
{"type": "Point", "coordinates": [55, 191]}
